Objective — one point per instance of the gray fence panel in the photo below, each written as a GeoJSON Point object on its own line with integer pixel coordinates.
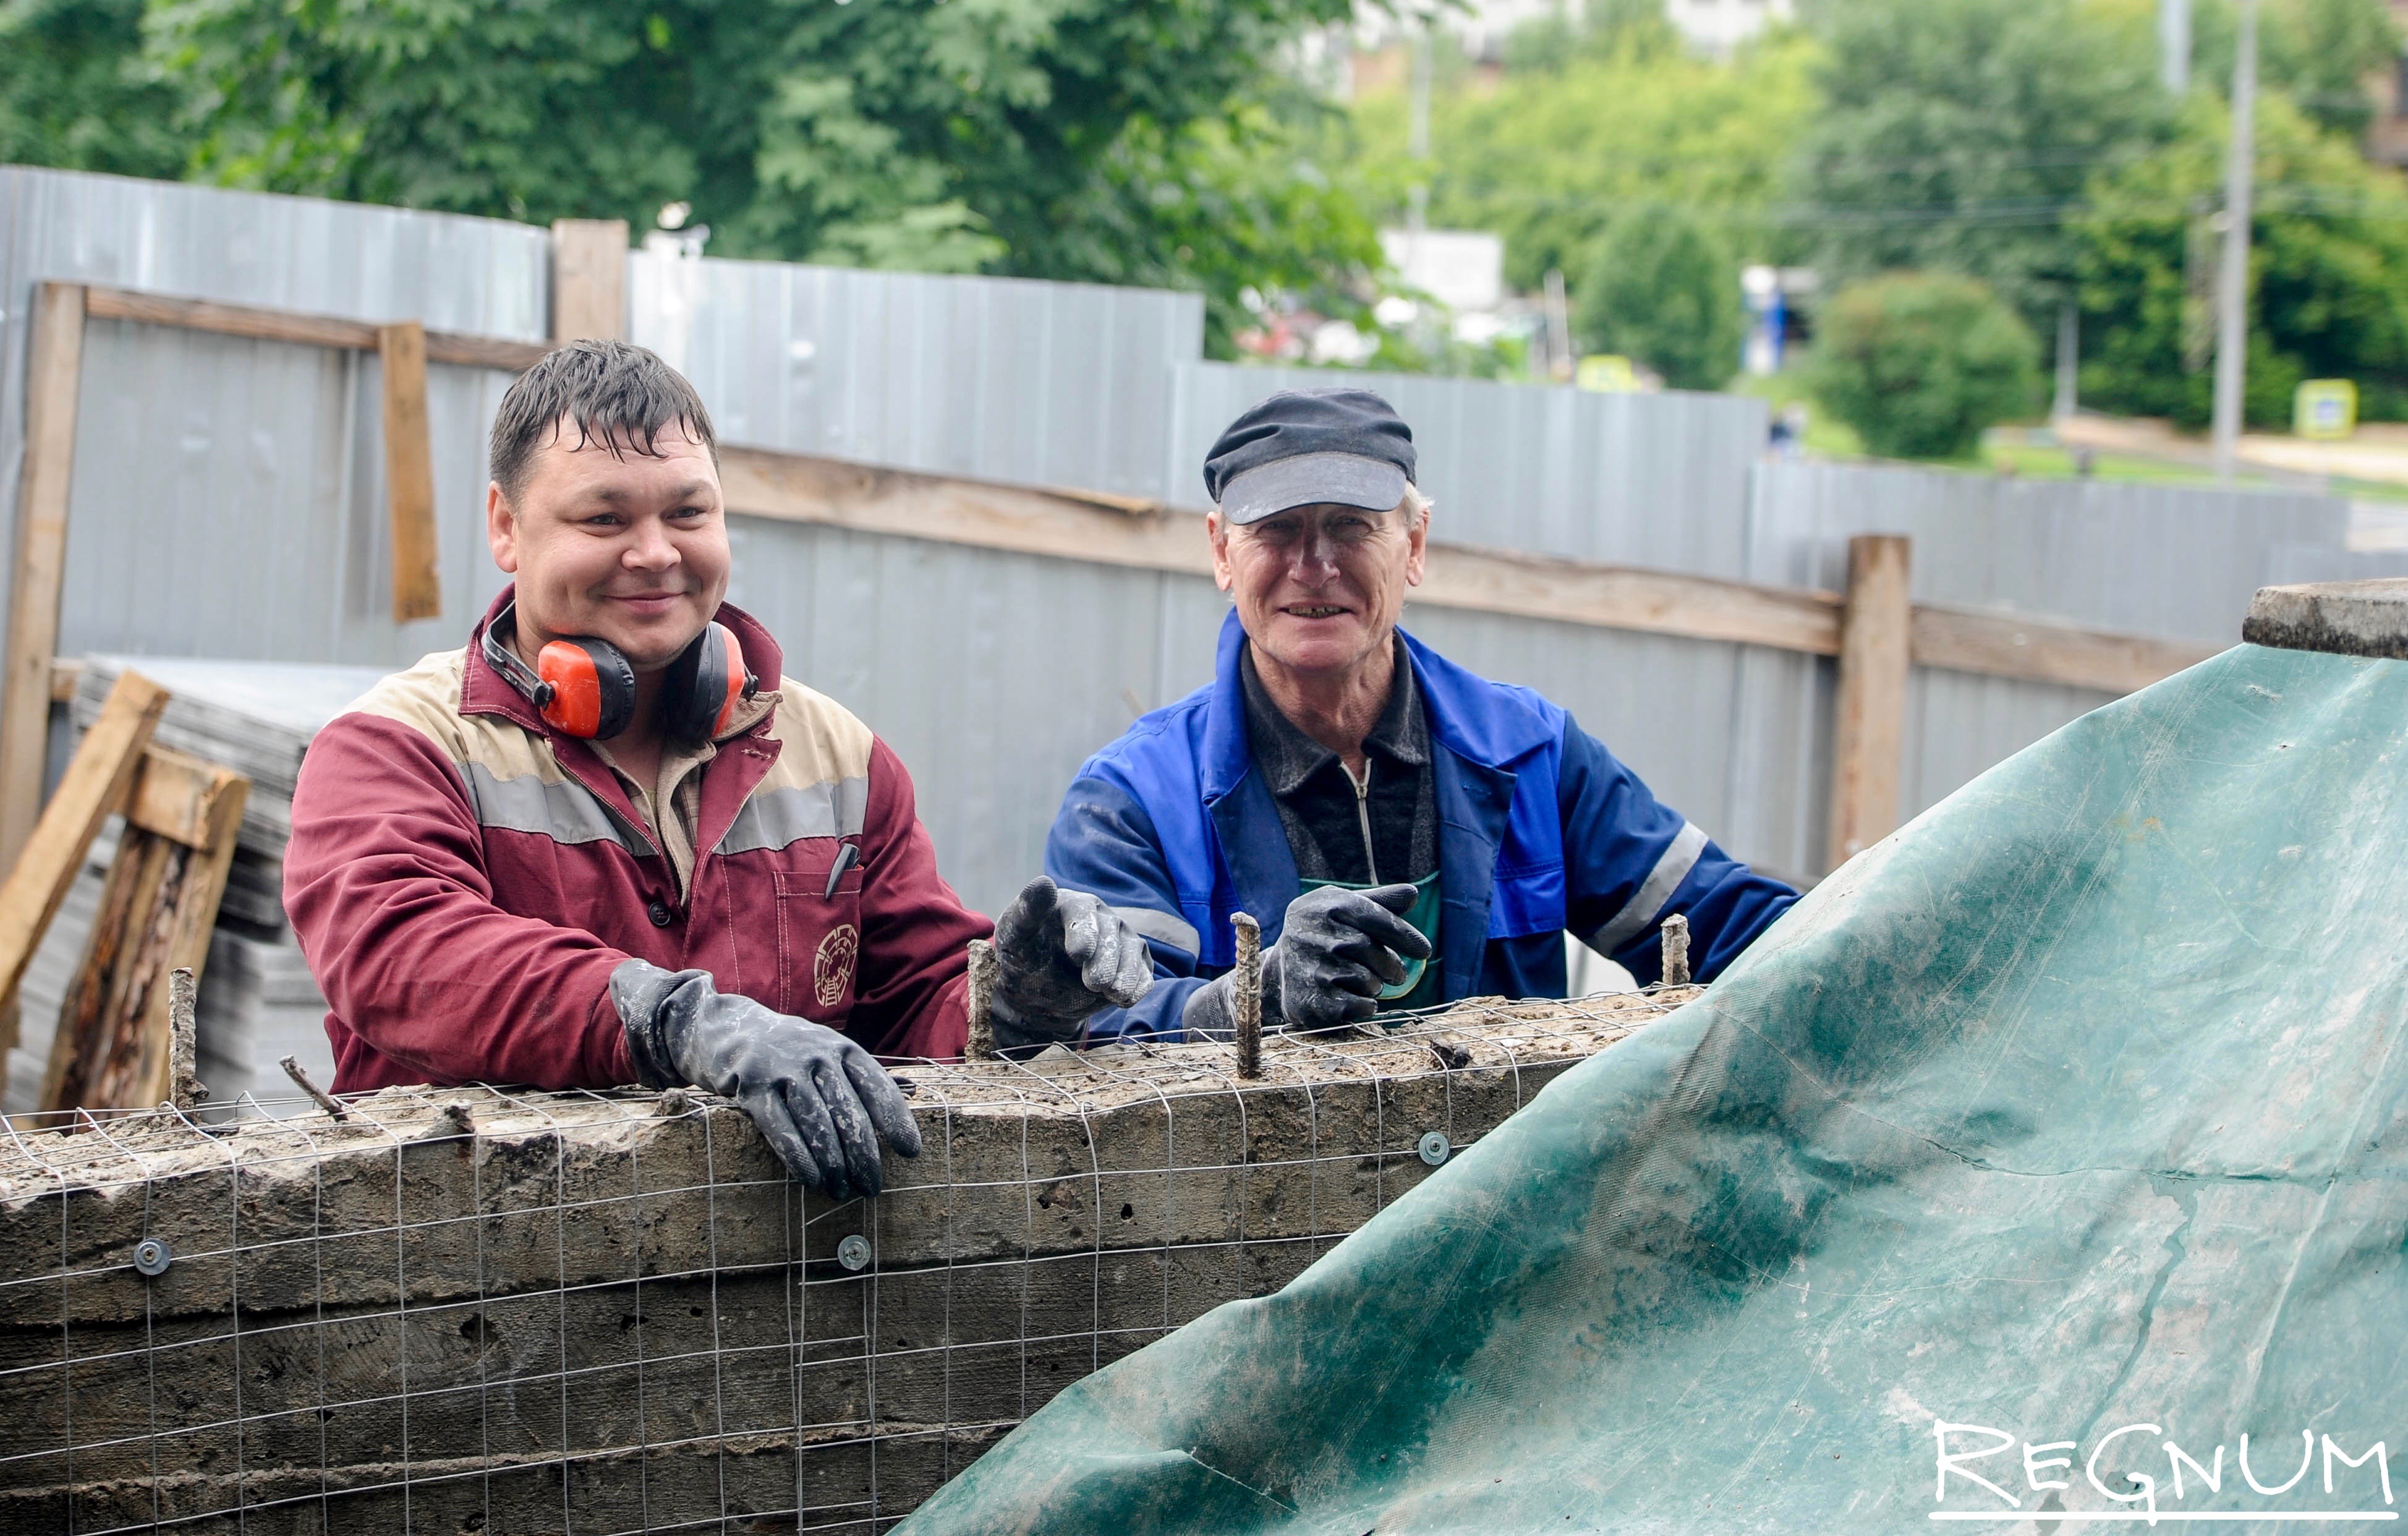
{"type": "Point", "coordinates": [229, 502]}
{"type": "Point", "coordinates": [228, 496]}
{"type": "Point", "coordinates": [1003, 378]}
{"type": "Point", "coordinates": [991, 676]}
{"type": "Point", "coordinates": [2175, 561]}
{"type": "Point", "coordinates": [1642, 479]}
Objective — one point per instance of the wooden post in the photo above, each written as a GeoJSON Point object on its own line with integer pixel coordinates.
{"type": "Point", "coordinates": [589, 279]}
{"type": "Point", "coordinates": [54, 375]}
{"type": "Point", "coordinates": [1869, 740]}
{"type": "Point", "coordinates": [410, 473]}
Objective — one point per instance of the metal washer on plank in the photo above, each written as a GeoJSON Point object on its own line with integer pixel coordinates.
{"type": "Point", "coordinates": [1436, 1148]}
{"type": "Point", "coordinates": [151, 1256]}
{"type": "Point", "coordinates": [854, 1252]}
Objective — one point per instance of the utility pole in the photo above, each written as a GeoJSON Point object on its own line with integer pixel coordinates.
{"type": "Point", "coordinates": [1417, 141]}
{"type": "Point", "coordinates": [2173, 44]}
{"type": "Point", "coordinates": [2069, 360]}
{"type": "Point", "coordinates": [2233, 279]}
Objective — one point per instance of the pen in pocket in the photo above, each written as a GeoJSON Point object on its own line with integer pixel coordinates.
{"type": "Point", "coordinates": [847, 856]}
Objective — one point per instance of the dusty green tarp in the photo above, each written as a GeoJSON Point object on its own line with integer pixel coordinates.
{"type": "Point", "coordinates": [2076, 1105]}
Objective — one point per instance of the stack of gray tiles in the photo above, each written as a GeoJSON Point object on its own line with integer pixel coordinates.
{"type": "Point", "coordinates": [257, 1002]}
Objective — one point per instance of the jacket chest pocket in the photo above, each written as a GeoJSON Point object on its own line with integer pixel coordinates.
{"type": "Point", "coordinates": [819, 939]}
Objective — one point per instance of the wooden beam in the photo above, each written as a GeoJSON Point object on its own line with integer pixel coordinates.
{"type": "Point", "coordinates": [1868, 735]}
{"type": "Point", "coordinates": [1960, 640]}
{"type": "Point", "coordinates": [1653, 602]}
{"type": "Point", "coordinates": [589, 279]}
{"type": "Point", "coordinates": [459, 349]}
{"type": "Point", "coordinates": [95, 785]}
{"type": "Point", "coordinates": [53, 378]}
{"type": "Point", "coordinates": [836, 493]}
{"type": "Point", "coordinates": [410, 473]}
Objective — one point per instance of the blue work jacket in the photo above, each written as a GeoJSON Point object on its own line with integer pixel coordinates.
{"type": "Point", "coordinates": [1540, 830]}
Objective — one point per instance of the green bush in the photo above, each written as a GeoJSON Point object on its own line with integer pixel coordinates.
{"type": "Point", "coordinates": [1920, 363]}
{"type": "Point", "coordinates": [1660, 288]}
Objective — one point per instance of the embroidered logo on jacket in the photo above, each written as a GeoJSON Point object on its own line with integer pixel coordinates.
{"type": "Point", "coordinates": [832, 968]}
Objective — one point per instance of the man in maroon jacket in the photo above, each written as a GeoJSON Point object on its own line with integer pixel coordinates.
{"type": "Point", "coordinates": [609, 841]}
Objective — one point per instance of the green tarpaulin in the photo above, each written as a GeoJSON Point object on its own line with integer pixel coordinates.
{"type": "Point", "coordinates": [2074, 1107]}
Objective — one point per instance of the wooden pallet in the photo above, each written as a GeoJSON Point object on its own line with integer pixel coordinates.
{"type": "Point", "coordinates": [111, 1049]}
{"type": "Point", "coordinates": [161, 901]}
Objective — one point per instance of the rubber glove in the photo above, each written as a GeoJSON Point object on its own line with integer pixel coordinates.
{"type": "Point", "coordinates": [1060, 956]}
{"type": "Point", "coordinates": [1336, 950]}
{"type": "Point", "coordinates": [821, 1100]}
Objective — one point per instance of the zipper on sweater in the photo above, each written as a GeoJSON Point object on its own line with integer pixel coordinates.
{"type": "Point", "coordinates": [1363, 813]}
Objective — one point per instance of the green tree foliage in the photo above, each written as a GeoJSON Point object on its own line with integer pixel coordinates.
{"type": "Point", "coordinates": [1628, 124]}
{"type": "Point", "coordinates": [2329, 272]}
{"type": "Point", "coordinates": [2318, 53]}
{"type": "Point", "coordinates": [75, 91]}
{"type": "Point", "coordinates": [1112, 140]}
{"type": "Point", "coordinates": [1919, 364]}
{"type": "Point", "coordinates": [1663, 288]}
{"type": "Point", "coordinates": [1957, 134]}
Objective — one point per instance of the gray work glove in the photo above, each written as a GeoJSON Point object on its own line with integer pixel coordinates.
{"type": "Point", "coordinates": [1336, 950]}
{"type": "Point", "coordinates": [1060, 956]}
{"type": "Point", "coordinates": [822, 1100]}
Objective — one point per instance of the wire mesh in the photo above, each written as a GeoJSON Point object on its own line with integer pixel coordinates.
{"type": "Point", "coordinates": [478, 1309]}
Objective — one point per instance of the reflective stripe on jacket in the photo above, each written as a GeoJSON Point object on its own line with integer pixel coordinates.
{"type": "Point", "coordinates": [463, 878]}
{"type": "Point", "coordinates": [1540, 830]}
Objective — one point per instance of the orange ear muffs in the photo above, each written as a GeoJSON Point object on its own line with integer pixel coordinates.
{"type": "Point", "coordinates": [703, 687]}
{"type": "Point", "coordinates": [585, 687]}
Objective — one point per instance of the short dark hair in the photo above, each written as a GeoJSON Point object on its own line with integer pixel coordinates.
{"type": "Point", "coordinates": [621, 395]}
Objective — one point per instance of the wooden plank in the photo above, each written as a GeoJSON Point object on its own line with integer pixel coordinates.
{"type": "Point", "coordinates": [458, 348]}
{"type": "Point", "coordinates": [589, 279]}
{"type": "Point", "coordinates": [53, 377]}
{"type": "Point", "coordinates": [461, 349]}
{"type": "Point", "coordinates": [181, 798]}
{"type": "Point", "coordinates": [410, 473]}
{"type": "Point", "coordinates": [836, 493]}
{"type": "Point", "coordinates": [1653, 602]}
{"type": "Point", "coordinates": [95, 784]}
{"type": "Point", "coordinates": [1868, 735]}
{"type": "Point", "coordinates": [2002, 645]}
{"type": "Point", "coordinates": [65, 676]}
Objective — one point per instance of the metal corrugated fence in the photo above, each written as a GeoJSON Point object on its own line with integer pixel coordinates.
{"type": "Point", "coordinates": [228, 501]}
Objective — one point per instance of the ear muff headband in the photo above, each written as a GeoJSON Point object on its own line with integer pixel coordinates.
{"type": "Point", "coordinates": [586, 687]}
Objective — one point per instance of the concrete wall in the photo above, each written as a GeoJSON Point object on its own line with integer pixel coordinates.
{"type": "Point", "coordinates": [595, 1314]}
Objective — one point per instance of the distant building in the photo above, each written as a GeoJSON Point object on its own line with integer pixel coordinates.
{"type": "Point", "coordinates": [1462, 269]}
{"type": "Point", "coordinates": [1717, 26]}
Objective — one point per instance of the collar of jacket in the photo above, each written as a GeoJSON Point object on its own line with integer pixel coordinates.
{"type": "Point", "coordinates": [1467, 714]}
{"type": "Point", "coordinates": [485, 691]}
{"type": "Point", "coordinates": [1479, 730]}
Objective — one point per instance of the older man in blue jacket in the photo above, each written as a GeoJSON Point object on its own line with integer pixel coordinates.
{"type": "Point", "coordinates": [1408, 833]}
